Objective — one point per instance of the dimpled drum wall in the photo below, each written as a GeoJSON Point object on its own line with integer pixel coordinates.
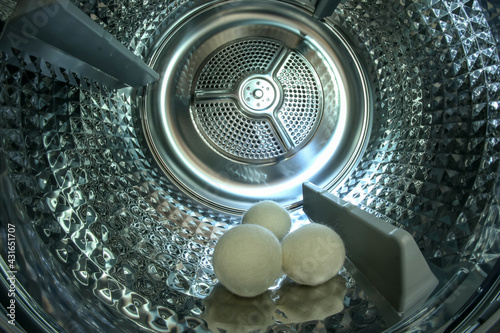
{"type": "Point", "coordinates": [113, 196]}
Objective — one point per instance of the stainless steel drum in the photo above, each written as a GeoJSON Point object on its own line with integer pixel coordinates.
{"type": "Point", "coordinates": [274, 98]}
{"type": "Point", "coordinates": [117, 178]}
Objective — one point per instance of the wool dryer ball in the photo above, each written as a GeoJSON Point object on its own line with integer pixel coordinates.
{"type": "Point", "coordinates": [269, 215]}
{"type": "Point", "coordinates": [312, 254]}
{"type": "Point", "coordinates": [247, 260]}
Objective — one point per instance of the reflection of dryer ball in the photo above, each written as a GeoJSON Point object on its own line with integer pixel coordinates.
{"type": "Point", "coordinates": [247, 260]}
{"type": "Point", "coordinates": [269, 215]}
{"type": "Point", "coordinates": [299, 303]}
{"type": "Point", "coordinates": [312, 254]}
{"type": "Point", "coordinates": [226, 311]}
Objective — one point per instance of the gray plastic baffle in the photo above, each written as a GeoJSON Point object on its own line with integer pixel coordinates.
{"type": "Point", "coordinates": [324, 8]}
{"type": "Point", "coordinates": [61, 34]}
{"type": "Point", "coordinates": [387, 257]}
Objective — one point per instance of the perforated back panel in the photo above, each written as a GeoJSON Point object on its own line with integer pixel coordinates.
{"type": "Point", "coordinates": [231, 63]}
{"type": "Point", "coordinates": [301, 105]}
{"type": "Point", "coordinates": [221, 117]}
{"type": "Point", "coordinates": [236, 134]}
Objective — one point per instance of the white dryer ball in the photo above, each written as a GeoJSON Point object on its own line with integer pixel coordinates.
{"type": "Point", "coordinates": [312, 254]}
{"type": "Point", "coordinates": [247, 260]}
{"type": "Point", "coordinates": [269, 215]}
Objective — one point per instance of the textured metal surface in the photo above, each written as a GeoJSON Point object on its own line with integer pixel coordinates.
{"type": "Point", "coordinates": [128, 248]}
{"type": "Point", "coordinates": [432, 165]}
{"type": "Point", "coordinates": [6, 10]}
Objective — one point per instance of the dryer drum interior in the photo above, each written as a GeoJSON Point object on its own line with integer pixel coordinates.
{"type": "Point", "coordinates": [134, 134]}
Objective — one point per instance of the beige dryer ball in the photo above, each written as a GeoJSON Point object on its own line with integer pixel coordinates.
{"type": "Point", "coordinates": [247, 260]}
{"type": "Point", "coordinates": [312, 254]}
{"type": "Point", "coordinates": [269, 215]}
